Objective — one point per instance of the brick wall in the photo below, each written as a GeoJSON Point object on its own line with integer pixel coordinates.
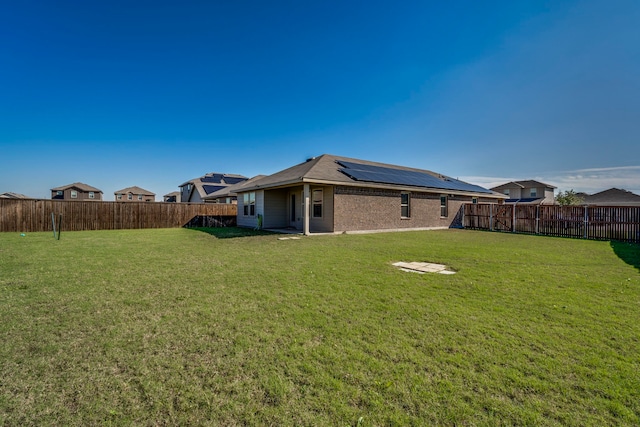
{"type": "Point", "coordinates": [377, 209]}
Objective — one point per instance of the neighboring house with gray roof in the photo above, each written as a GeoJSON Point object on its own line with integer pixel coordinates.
{"type": "Point", "coordinates": [76, 191]}
{"type": "Point", "coordinates": [134, 194]}
{"type": "Point", "coordinates": [338, 194]}
{"type": "Point", "coordinates": [529, 192]}
{"type": "Point", "coordinates": [10, 195]}
{"type": "Point", "coordinates": [611, 197]}
{"type": "Point", "coordinates": [173, 197]}
{"type": "Point", "coordinates": [229, 194]}
{"type": "Point", "coordinates": [195, 190]}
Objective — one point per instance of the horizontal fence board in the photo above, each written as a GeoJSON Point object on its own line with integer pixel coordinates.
{"type": "Point", "coordinates": [33, 215]}
{"type": "Point", "coordinates": [585, 222]}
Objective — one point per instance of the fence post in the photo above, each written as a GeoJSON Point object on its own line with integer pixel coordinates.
{"type": "Point", "coordinates": [586, 220]}
{"type": "Point", "coordinates": [537, 219]}
{"type": "Point", "coordinates": [513, 217]}
{"type": "Point", "coordinates": [491, 217]}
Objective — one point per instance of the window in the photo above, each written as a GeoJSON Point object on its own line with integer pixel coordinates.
{"type": "Point", "coordinates": [59, 193]}
{"type": "Point", "coordinates": [443, 206]}
{"type": "Point", "coordinates": [533, 192]}
{"type": "Point", "coordinates": [474, 200]}
{"type": "Point", "coordinates": [317, 203]}
{"type": "Point", "coordinates": [249, 204]}
{"type": "Point", "coordinates": [405, 211]}
{"type": "Point", "coordinates": [506, 191]}
{"type": "Point", "coordinates": [139, 196]}
{"type": "Point", "coordinates": [92, 195]}
{"type": "Point", "coordinates": [74, 194]}
{"type": "Point", "coordinates": [129, 196]}
{"type": "Point", "coordinates": [119, 196]}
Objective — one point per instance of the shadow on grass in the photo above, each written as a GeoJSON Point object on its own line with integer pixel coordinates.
{"type": "Point", "coordinates": [231, 232]}
{"type": "Point", "coordinates": [628, 252]}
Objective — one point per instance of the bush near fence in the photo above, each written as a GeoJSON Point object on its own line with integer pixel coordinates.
{"type": "Point", "coordinates": [33, 215]}
{"type": "Point", "coordinates": [585, 222]}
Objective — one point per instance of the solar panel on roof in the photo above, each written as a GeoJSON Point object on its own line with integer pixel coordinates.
{"type": "Point", "coordinates": [216, 178]}
{"type": "Point", "coordinates": [212, 188]}
{"type": "Point", "coordinates": [233, 179]}
{"type": "Point", "coordinates": [386, 175]}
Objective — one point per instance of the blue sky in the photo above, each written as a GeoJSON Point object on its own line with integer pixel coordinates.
{"type": "Point", "coordinates": [154, 93]}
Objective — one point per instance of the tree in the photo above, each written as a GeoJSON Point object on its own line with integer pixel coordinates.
{"type": "Point", "coordinates": [569, 197]}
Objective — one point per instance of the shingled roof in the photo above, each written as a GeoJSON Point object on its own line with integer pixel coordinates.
{"type": "Point", "coordinates": [135, 190]}
{"type": "Point", "coordinates": [522, 184]}
{"type": "Point", "coordinates": [80, 186]}
{"type": "Point", "coordinates": [330, 169]}
{"type": "Point", "coordinates": [612, 196]}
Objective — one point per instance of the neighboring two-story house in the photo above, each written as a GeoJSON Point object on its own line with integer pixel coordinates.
{"type": "Point", "coordinates": [527, 192]}
{"type": "Point", "coordinates": [134, 194]}
{"type": "Point", "coordinates": [76, 191]}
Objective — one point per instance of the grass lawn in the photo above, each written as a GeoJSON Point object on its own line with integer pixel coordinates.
{"type": "Point", "coordinates": [221, 327]}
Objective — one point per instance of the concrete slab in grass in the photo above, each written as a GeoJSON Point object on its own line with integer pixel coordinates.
{"type": "Point", "coordinates": [423, 267]}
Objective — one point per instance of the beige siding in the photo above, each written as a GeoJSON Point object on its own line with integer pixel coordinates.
{"type": "Point", "coordinates": [83, 196]}
{"type": "Point", "coordinates": [516, 193]}
{"type": "Point", "coordinates": [275, 209]}
{"type": "Point", "coordinates": [324, 224]}
{"type": "Point", "coordinates": [248, 220]}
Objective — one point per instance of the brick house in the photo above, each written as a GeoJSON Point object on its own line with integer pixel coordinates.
{"type": "Point", "coordinates": [331, 194]}
{"type": "Point", "coordinates": [76, 191]}
{"type": "Point", "coordinates": [527, 192]}
{"type": "Point", "coordinates": [134, 194]}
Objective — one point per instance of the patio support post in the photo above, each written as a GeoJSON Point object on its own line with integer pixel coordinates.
{"type": "Point", "coordinates": [305, 213]}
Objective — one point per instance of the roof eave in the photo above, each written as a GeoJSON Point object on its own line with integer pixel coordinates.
{"type": "Point", "coordinates": [303, 180]}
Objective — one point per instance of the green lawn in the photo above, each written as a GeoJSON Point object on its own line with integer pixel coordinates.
{"type": "Point", "coordinates": [221, 327]}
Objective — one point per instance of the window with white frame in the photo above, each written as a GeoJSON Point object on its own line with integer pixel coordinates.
{"type": "Point", "coordinates": [533, 192]}
{"type": "Point", "coordinates": [443, 206]}
{"type": "Point", "coordinates": [92, 195]}
{"type": "Point", "coordinates": [316, 203]}
{"type": "Point", "coordinates": [474, 200]}
{"type": "Point", "coordinates": [405, 205]}
{"type": "Point", "coordinates": [129, 196]}
{"type": "Point", "coordinates": [74, 194]}
{"type": "Point", "coordinates": [139, 196]}
{"type": "Point", "coordinates": [249, 204]}
{"type": "Point", "coordinates": [506, 191]}
{"type": "Point", "coordinates": [119, 196]}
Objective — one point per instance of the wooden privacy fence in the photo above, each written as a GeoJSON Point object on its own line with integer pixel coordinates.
{"type": "Point", "coordinates": [585, 222]}
{"type": "Point", "coordinates": [31, 215]}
